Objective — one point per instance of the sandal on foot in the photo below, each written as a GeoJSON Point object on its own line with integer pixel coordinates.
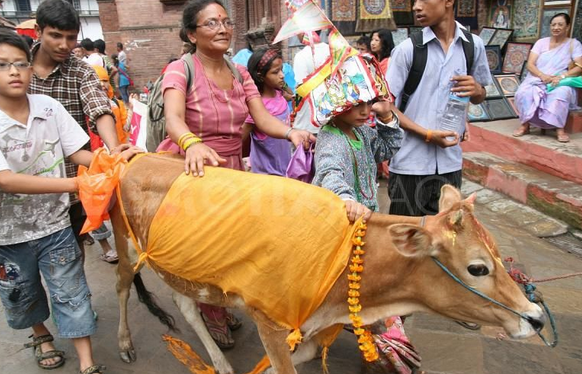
{"type": "Point", "coordinates": [219, 332]}
{"type": "Point", "coordinates": [95, 369]}
{"type": "Point", "coordinates": [520, 132]}
{"type": "Point", "coordinates": [109, 257]}
{"type": "Point", "coordinates": [563, 138]}
{"type": "Point", "coordinates": [233, 322]}
{"type": "Point", "coordinates": [41, 356]}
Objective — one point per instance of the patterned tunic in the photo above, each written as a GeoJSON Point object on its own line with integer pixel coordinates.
{"type": "Point", "coordinates": [348, 167]}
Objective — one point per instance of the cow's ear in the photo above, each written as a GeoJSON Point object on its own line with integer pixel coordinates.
{"type": "Point", "coordinates": [471, 199]}
{"type": "Point", "coordinates": [410, 240]}
{"type": "Point", "coordinates": [449, 196]}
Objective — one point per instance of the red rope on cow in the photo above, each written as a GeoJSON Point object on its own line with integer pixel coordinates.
{"type": "Point", "coordinates": [521, 278]}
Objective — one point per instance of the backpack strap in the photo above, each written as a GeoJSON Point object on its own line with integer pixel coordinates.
{"type": "Point", "coordinates": [234, 70]}
{"type": "Point", "coordinates": [469, 50]}
{"type": "Point", "coordinates": [189, 70]}
{"type": "Point", "coordinates": [419, 58]}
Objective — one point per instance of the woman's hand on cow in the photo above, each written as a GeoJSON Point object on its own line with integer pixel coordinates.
{"type": "Point", "coordinates": [356, 210]}
{"type": "Point", "coordinates": [127, 151]}
{"type": "Point", "coordinates": [298, 137]}
{"type": "Point", "coordinates": [198, 155]}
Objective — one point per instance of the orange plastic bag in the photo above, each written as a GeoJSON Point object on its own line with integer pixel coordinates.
{"type": "Point", "coordinates": [96, 186]}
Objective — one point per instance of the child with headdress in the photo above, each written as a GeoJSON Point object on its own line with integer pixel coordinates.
{"type": "Point", "coordinates": [347, 151]}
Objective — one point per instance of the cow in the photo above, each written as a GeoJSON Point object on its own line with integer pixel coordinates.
{"type": "Point", "coordinates": [400, 277]}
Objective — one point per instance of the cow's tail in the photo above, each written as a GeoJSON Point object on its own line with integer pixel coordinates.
{"type": "Point", "coordinates": [148, 299]}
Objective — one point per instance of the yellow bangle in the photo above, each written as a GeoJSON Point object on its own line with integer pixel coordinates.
{"type": "Point", "coordinates": [428, 136]}
{"type": "Point", "coordinates": [190, 142]}
{"type": "Point", "coordinates": [184, 137]}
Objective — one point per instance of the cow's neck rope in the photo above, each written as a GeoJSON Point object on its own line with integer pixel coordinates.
{"type": "Point", "coordinates": [365, 339]}
{"type": "Point", "coordinates": [521, 315]}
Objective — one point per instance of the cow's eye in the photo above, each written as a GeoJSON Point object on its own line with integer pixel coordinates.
{"type": "Point", "coordinates": [478, 270]}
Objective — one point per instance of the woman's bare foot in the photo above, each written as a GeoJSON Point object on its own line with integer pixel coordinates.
{"type": "Point", "coordinates": [522, 130]}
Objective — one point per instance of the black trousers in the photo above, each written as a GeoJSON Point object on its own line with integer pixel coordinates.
{"type": "Point", "coordinates": [418, 195]}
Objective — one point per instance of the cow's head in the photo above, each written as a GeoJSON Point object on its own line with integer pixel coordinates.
{"type": "Point", "coordinates": [467, 249]}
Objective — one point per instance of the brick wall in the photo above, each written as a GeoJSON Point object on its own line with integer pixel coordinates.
{"type": "Point", "coordinates": [149, 31]}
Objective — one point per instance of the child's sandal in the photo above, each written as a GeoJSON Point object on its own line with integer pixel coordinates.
{"type": "Point", "coordinates": [42, 356]}
{"type": "Point", "coordinates": [95, 369]}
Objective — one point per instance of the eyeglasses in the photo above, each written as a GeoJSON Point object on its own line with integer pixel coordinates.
{"type": "Point", "coordinates": [214, 24]}
{"type": "Point", "coordinates": [19, 65]}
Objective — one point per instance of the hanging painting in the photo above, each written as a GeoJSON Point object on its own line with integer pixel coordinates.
{"type": "Point", "coordinates": [500, 14]}
{"type": "Point", "coordinates": [467, 8]}
{"type": "Point", "coordinates": [375, 9]}
{"type": "Point", "coordinates": [515, 57]}
{"type": "Point", "coordinates": [343, 10]}
{"type": "Point", "coordinates": [577, 22]}
{"type": "Point", "coordinates": [526, 19]}
{"type": "Point", "coordinates": [401, 5]}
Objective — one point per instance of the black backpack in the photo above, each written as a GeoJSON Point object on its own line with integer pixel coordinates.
{"type": "Point", "coordinates": [156, 120]}
{"type": "Point", "coordinates": [419, 58]}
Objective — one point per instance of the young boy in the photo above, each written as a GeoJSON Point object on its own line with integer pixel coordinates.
{"type": "Point", "coordinates": [36, 134]}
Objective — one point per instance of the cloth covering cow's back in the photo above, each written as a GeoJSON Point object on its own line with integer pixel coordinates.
{"type": "Point", "coordinates": [283, 242]}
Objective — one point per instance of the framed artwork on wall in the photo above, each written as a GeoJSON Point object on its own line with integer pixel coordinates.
{"type": "Point", "coordinates": [547, 15]}
{"type": "Point", "coordinates": [501, 37]}
{"type": "Point", "coordinates": [399, 35]}
{"type": "Point", "coordinates": [500, 14]}
{"type": "Point", "coordinates": [486, 34]}
{"type": "Point", "coordinates": [577, 22]}
{"type": "Point", "coordinates": [515, 57]}
{"type": "Point", "coordinates": [493, 91]}
{"type": "Point", "coordinates": [498, 109]}
{"type": "Point", "coordinates": [493, 53]}
{"type": "Point", "coordinates": [477, 113]}
{"type": "Point", "coordinates": [508, 84]}
{"type": "Point", "coordinates": [526, 19]}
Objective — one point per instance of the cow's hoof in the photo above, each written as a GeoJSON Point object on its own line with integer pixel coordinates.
{"type": "Point", "coordinates": [128, 356]}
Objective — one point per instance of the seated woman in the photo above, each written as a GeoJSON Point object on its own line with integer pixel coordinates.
{"type": "Point", "coordinates": [548, 64]}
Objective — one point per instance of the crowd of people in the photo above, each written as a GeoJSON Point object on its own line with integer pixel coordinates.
{"type": "Point", "coordinates": [60, 99]}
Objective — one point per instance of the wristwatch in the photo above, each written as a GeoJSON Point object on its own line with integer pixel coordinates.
{"type": "Point", "coordinates": [562, 76]}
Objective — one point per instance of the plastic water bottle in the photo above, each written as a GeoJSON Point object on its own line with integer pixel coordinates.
{"type": "Point", "coordinates": [454, 116]}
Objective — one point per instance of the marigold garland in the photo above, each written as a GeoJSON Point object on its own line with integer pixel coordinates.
{"type": "Point", "coordinates": [365, 339]}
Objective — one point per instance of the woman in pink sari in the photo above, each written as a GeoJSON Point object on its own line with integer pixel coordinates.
{"type": "Point", "coordinates": [204, 122]}
{"type": "Point", "coordinates": [548, 64]}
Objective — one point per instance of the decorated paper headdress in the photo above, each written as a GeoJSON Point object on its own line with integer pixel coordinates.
{"type": "Point", "coordinates": [344, 80]}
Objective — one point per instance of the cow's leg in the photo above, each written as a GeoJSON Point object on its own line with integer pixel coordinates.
{"type": "Point", "coordinates": [190, 311]}
{"type": "Point", "coordinates": [125, 277]}
{"type": "Point", "coordinates": [305, 352]}
{"type": "Point", "coordinates": [276, 346]}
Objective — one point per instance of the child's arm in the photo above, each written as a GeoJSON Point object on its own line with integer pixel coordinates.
{"type": "Point", "coordinates": [11, 182]}
{"type": "Point", "coordinates": [386, 140]}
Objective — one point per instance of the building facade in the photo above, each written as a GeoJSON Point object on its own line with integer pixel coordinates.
{"type": "Point", "coordinates": [18, 11]}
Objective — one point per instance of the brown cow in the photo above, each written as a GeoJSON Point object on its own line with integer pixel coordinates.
{"type": "Point", "coordinates": [400, 275]}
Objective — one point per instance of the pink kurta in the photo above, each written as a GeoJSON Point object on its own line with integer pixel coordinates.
{"type": "Point", "coordinates": [213, 114]}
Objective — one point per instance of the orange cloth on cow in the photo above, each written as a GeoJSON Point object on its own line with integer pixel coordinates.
{"type": "Point", "coordinates": [280, 243]}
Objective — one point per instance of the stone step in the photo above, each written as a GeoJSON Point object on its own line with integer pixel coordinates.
{"type": "Point", "coordinates": [546, 193]}
{"type": "Point", "coordinates": [542, 152]}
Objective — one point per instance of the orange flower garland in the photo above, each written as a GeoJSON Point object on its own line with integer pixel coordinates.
{"type": "Point", "coordinates": [365, 340]}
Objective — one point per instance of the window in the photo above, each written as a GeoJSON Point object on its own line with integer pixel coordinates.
{"type": "Point", "coordinates": [23, 5]}
{"type": "Point", "coordinates": [76, 3]}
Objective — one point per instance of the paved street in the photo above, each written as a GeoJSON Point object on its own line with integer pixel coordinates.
{"type": "Point", "coordinates": [444, 346]}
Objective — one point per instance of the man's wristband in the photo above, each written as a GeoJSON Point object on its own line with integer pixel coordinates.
{"type": "Point", "coordinates": [428, 136]}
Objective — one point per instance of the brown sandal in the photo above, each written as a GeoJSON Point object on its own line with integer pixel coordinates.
{"type": "Point", "coordinates": [41, 356]}
{"type": "Point", "coordinates": [521, 131]}
{"type": "Point", "coordinates": [95, 369]}
{"type": "Point", "coordinates": [563, 138]}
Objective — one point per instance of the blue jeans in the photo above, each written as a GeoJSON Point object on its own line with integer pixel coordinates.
{"type": "Point", "coordinates": [124, 93]}
{"type": "Point", "coordinates": [58, 258]}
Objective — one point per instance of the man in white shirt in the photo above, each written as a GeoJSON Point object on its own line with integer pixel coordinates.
{"type": "Point", "coordinates": [92, 57]}
{"type": "Point", "coordinates": [121, 56]}
{"type": "Point", "coordinates": [306, 62]}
